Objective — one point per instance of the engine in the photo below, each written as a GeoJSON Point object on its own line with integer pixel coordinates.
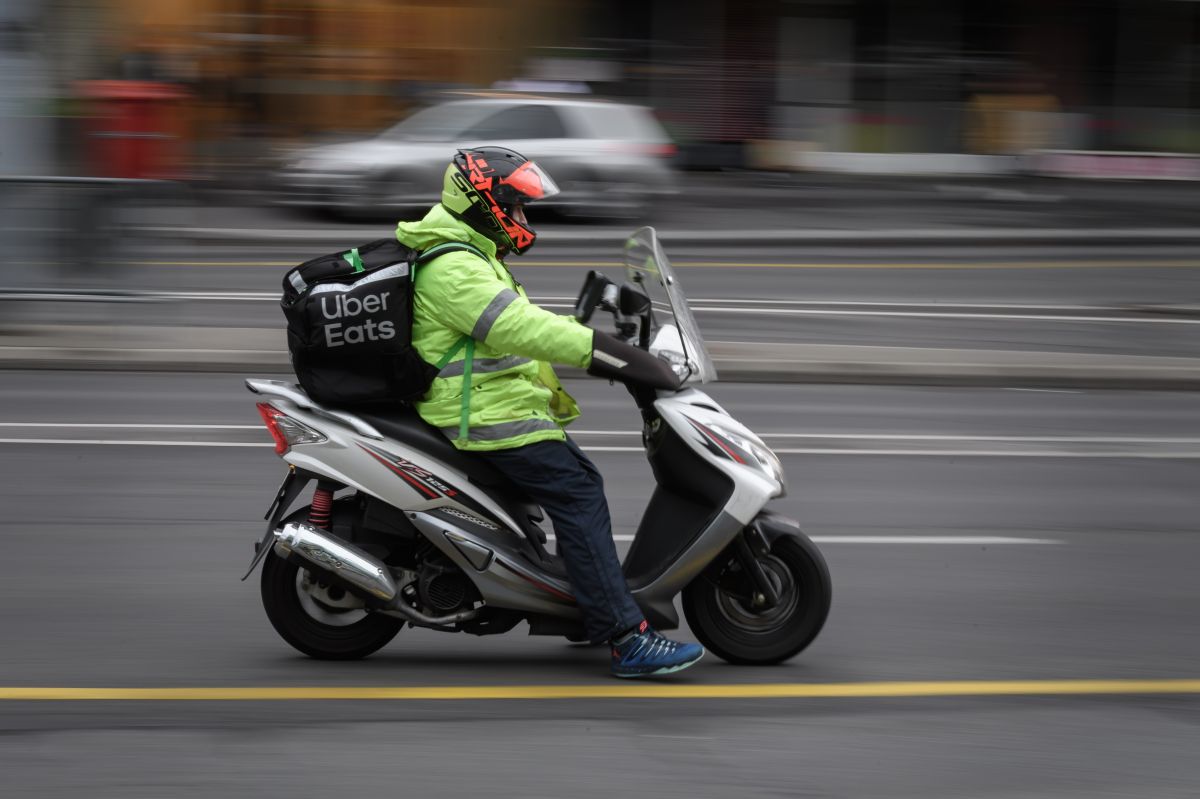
{"type": "Point", "coordinates": [442, 587]}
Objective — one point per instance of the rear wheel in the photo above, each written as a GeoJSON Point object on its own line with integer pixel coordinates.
{"type": "Point", "coordinates": [323, 621]}
{"type": "Point", "coordinates": [721, 612]}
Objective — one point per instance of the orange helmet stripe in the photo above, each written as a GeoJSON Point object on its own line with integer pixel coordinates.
{"type": "Point", "coordinates": [526, 180]}
{"type": "Point", "coordinates": [475, 167]}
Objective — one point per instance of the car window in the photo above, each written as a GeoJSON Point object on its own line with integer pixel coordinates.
{"type": "Point", "coordinates": [439, 123]}
{"type": "Point", "coordinates": [622, 122]}
{"type": "Point", "coordinates": [519, 122]}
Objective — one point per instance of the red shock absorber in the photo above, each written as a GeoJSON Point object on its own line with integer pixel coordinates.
{"type": "Point", "coordinates": [322, 508]}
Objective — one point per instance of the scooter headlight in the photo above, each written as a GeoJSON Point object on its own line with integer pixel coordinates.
{"type": "Point", "coordinates": [764, 460]}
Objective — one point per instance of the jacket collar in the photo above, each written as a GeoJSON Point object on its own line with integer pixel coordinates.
{"type": "Point", "coordinates": [439, 225]}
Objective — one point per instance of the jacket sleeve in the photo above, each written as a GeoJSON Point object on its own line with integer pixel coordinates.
{"type": "Point", "coordinates": [463, 293]}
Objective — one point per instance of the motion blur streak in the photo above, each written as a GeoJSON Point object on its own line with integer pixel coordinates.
{"type": "Point", "coordinates": [1185, 263]}
{"type": "Point", "coordinates": [619, 691]}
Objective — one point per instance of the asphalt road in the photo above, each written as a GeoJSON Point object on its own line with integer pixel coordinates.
{"type": "Point", "coordinates": [988, 534]}
{"type": "Point", "coordinates": [1093, 296]}
{"type": "Point", "coordinates": [1133, 301]}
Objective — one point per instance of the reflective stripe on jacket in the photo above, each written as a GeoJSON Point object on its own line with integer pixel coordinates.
{"type": "Point", "coordinates": [473, 320]}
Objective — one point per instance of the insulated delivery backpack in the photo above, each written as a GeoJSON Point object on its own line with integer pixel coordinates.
{"type": "Point", "coordinates": [349, 320]}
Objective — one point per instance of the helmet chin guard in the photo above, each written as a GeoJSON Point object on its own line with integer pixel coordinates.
{"type": "Point", "coordinates": [484, 184]}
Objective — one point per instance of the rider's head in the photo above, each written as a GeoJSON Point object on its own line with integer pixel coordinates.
{"type": "Point", "coordinates": [487, 187]}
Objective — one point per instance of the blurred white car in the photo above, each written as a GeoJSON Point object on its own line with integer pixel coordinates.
{"type": "Point", "coordinates": [609, 159]}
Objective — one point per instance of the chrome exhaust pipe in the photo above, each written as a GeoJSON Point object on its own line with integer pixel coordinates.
{"type": "Point", "coordinates": [336, 556]}
{"type": "Point", "coordinates": [403, 611]}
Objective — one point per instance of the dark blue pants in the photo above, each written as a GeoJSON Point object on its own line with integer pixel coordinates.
{"type": "Point", "coordinates": [560, 478]}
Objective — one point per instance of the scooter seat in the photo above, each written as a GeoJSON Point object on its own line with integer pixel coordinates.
{"type": "Point", "coordinates": [407, 427]}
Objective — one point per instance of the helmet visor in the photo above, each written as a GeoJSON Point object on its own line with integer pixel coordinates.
{"type": "Point", "coordinates": [527, 183]}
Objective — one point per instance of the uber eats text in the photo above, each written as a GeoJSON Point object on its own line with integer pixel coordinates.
{"type": "Point", "coordinates": [346, 308]}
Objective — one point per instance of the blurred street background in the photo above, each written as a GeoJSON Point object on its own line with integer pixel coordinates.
{"type": "Point", "coordinates": [947, 259]}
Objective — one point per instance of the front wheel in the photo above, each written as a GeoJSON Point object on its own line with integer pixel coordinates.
{"type": "Point", "coordinates": [322, 621]}
{"type": "Point", "coordinates": [719, 609]}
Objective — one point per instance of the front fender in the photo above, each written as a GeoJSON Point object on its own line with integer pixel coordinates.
{"type": "Point", "coordinates": [769, 527]}
{"type": "Point", "coordinates": [774, 525]}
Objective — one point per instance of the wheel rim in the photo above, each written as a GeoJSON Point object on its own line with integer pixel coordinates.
{"type": "Point", "coordinates": [327, 604]}
{"type": "Point", "coordinates": [737, 612]}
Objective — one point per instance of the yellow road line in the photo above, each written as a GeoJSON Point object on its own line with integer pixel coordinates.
{"type": "Point", "coordinates": [618, 690]}
{"type": "Point", "coordinates": [983, 265]}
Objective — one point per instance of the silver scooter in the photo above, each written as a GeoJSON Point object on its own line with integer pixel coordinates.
{"type": "Point", "coordinates": [404, 528]}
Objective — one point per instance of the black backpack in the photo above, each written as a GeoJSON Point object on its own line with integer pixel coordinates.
{"type": "Point", "coordinates": [349, 318]}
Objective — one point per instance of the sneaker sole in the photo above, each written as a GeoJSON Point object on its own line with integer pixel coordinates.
{"type": "Point", "coordinates": [658, 672]}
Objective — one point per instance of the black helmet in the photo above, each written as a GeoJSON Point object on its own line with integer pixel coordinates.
{"type": "Point", "coordinates": [484, 185]}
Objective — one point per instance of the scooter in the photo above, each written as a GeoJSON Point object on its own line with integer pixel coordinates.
{"type": "Point", "coordinates": [403, 528]}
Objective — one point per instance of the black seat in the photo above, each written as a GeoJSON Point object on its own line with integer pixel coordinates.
{"type": "Point", "coordinates": [409, 428]}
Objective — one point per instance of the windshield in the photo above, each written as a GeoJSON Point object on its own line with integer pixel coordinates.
{"type": "Point", "coordinates": [647, 266]}
{"type": "Point", "coordinates": [439, 123]}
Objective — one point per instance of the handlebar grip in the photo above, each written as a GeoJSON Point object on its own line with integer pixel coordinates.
{"type": "Point", "coordinates": [616, 360]}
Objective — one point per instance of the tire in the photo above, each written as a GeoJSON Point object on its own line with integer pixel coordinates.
{"type": "Point", "coordinates": [295, 618]}
{"type": "Point", "coordinates": [734, 632]}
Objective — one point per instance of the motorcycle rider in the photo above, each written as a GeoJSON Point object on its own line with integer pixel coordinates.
{"type": "Point", "coordinates": [496, 395]}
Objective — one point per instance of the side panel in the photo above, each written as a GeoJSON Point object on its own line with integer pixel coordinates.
{"type": "Point", "coordinates": [690, 494]}
{"type": "Point", "coordinates": [497, 564]}
{"type": "Point", "coordinates": [696, 471]}
{"type": "Point", "coordinates": [659, 595]}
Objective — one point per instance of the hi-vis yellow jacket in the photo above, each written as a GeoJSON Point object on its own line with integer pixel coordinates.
{"type": "Point", "coordinates": [495, 388]}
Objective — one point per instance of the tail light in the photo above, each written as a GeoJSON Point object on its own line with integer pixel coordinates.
{"type": "Point", "coordinates": [285, 430]}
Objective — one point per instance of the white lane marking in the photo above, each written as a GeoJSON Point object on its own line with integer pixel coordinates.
{"type": "Point", "coordinates": [1016, 439]}
{"type": "Point", "coordinates": [941, 437]}
{"type": "Point", "coordinates": [936, 453]}
{"type": "Point", "coordinates": [998, 540]}
{"type": "Point", "coordinates": [1047, 390]}
{"type": "Point", "coordinates": [133, 442]}
{"type": "Point", "coordinates": [956, 453]}
{"type": "Point", "coordinates": [959, 540]}
{"type": "Point", "coordinates": [988, 306]}
{"type": "Point", "coordinates": [845, 308]}
{"type": "Point", "coordinates": [949, 315]}
{"type": "Point", "coordinates": [1132, 440]}
{"type": "Point", "coordinates": [1156, 320]}
{"type": "Point", "coordinates": [569, 302]}
{"type": "Point", "coordinates": [983, 453]}
{"type": "Point", "coordinates": [135, 425]}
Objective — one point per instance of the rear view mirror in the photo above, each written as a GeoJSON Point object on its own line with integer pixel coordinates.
{"type": "Point", "coordinates": [590, 295]}
{"type": "Point", "coordinates": [632, 301]}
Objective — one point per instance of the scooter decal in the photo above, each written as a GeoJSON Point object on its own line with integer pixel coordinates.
{"type": "Point", "coordinates": [420, 479]}
{"type": "Point", "coordinates": [719, 445]}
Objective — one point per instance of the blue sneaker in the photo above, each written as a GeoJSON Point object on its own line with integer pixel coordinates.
{"type": "Point", "coordinates": [644, 653]}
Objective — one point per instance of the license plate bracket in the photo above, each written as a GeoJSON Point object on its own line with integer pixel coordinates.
{"type": "Point", "coordinates": [289, 489]}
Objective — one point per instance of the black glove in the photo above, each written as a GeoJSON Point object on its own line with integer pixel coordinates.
{"type": "Point", "coordinates": [617, 360]}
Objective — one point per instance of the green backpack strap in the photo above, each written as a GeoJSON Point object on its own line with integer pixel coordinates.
{"type": "Point", "coordinates": [464, 425]}
{"type": "Point", "coordinates": [445, 247]}
{"type": "Point", "coordinates": [354, 259]}
{"type": "Point", "coordinates": [429, 255]}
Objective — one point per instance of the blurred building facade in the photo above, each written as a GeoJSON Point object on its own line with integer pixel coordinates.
{"type": "Point", "coordinates": [919, 76]}
{"type": "Point", "coordinates": [732, 81]}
